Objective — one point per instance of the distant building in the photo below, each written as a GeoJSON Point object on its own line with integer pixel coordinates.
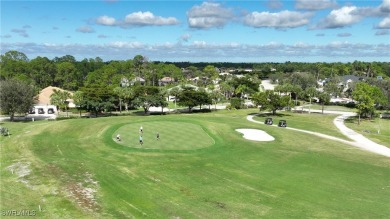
{"type": "Point", "coordinates": [165, 80]}
{"type": "Point", "coordinates": [125, 82]}
{"type": "Point", "coordinates": [42, 112]}
{"type": "Point", "coordinates": [137, 80]}
{"type": "Point", "coordinates": [44, 96]}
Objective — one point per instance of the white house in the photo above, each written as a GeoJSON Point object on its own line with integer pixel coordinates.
{"type": "Point", "coordinates": [42, 112]}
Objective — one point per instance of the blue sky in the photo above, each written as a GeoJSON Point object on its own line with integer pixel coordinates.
{"type": "Point", "coordinates": [199, 31]}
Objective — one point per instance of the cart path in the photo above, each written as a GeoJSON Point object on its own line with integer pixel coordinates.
{"type": "Point", "coordinates": [358, 140]}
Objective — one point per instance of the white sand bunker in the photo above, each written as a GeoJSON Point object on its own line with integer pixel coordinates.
{"type": "Point", "coordinates": [255, 135]}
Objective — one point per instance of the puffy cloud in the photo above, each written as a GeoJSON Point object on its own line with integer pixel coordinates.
{"type": "Point", "coordinates": [148, 19]}
{"type": "Point", "coordinates": [209, 15]}
{"type": "Point", "coordinates": [283, 19]}
{"type": "Point", "coordinates": [85, 29]}
{"type": "Point", "coordinates": [339, 18]}
{"type": "Point", "coordinates": [314, 4]}
{"type": "Point", "coordinates": [126, 45]}
{"type": "Point", "coordinates": [106, 20]}
{"type": "Point", "coordinates": [384, 24]}
{"type": "Point", "coordinates": [344, 35]}
{"type": "Point", "coordinates": [385, 6]}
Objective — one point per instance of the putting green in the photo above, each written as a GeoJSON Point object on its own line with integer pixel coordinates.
{"type": "Point", "coordinates": [173, 136]}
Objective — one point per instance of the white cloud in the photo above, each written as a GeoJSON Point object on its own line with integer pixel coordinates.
{"type": "Point", "coordinates": [148, 19]}
{"type": "Point", "coordinates": [384, 24]}
{"type": "Point", "coordinates": [314, 4]}
{"type": "Point", "coordinates": [85, 29]}
{"type": "Point", "coordinates": [205, 51]}
{"type": "Point", "coordinates": [200, 44]}
{"type": "Point", "coordinates": [385, 6]}
{"type": "Point", "coordinates": [209, 15]}
{"type": "Point", "coordinates": [126, 45]}
{"type": "Point", "coordinates": [339, 18]}
{"type": "Point", "coordinates": [283, 19]}
{"type": "Point", "coordinates": [106, 20]}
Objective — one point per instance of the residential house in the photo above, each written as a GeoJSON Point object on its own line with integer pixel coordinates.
{"type": "Point", "coordinates": [165, 80]}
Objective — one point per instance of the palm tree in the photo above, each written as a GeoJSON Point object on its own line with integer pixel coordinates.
{"type": "Point", "coordinates": [78, 98]}
{"type": "Point", "coordinates": [175, 91]}
{"type": "Point", "coordinates": [124, 94]}
{"type": "Point", "coordinates": [59, 98]}
{"type": "Point", "coordinates": [226, 89]}
{"type": "Point", "coordinates": [55, 99]}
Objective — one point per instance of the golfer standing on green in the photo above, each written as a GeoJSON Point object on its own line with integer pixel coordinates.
{"type": "Point", "coordinates": [140, 140]}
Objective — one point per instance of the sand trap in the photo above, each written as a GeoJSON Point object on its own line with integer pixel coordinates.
{"type": "Point", "coordinates": [255, 135]}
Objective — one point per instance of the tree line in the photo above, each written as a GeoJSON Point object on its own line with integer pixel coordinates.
{"type": "Point", "coordinates": [104, 86]}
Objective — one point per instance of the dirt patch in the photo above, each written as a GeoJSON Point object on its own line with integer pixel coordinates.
{"type": "Point", "coordinates": [84, 193]}
{"type": "Point", "coordinates": [21, 170]}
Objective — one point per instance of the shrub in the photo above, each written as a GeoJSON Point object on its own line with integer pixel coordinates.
{"type": "Point", "coordinates": [236, 103]}
{"type": "Point", "coordinates": [4, 131]}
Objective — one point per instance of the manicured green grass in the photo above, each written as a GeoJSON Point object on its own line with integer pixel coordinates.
{"type": "Point", "coordinates": [315, 106]}
{"type": "Point", "coordinates": [79, 171]}
{"type": "Point", "coordinates": [173, 136]}
{"type": "Point", "coordinates": [377, 130]}
{"type": "Point", "coordinates": [315, 122]}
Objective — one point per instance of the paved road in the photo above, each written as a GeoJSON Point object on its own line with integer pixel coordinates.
{"type": "Point", "coordinates": [358, 140]}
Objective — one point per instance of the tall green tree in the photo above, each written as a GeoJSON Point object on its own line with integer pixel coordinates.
{"type": "Point", "coordinates": [368, 97]}
{"type": "Point", "coordinates": [97, 98]}
{"type": "Point", "coordinates": [66, 76]}
{"type": "Point", "coordinates": [191, 98]}
{"type": "Point", "coordinates": [14, 64]}
{"type": "Point", "coordinates": [302, 79]}
{"type": "Point", "coordinates": [124, 95]}
{"type": "Point", "coordinates": [148, 96]}
{"type": "Point", "coordinates": [270, 100]}
{"type": "Point", "coordinates": [175, 91]}
{"type": "Point", "coordinates": [78, 98]}
{"type": "Point", "coordinates": [16, 97]}
{"type": "Point", "coordinates": [323, 98]}
{"type": "Point", "coordinates": [60, 99]}
{"type": "Point", "coordinates": [42, 71]}
{"type": "Point", "coordinates": [216, 96]}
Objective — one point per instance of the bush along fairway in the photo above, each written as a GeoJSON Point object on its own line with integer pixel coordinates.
{"type": "Point", "coordinates": [200, 168]}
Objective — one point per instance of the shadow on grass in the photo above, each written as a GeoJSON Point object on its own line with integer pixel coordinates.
{"type": "Point", "coordinates": [263, 115]}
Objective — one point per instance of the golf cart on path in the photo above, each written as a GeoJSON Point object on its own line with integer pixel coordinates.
{"type": "Point", "coordinates": [268, 121]}
{"type": "Point", "coordinates": [282, 123]}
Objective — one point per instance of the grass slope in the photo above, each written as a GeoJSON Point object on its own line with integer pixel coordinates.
{"type": "Point", "coordinates": [377, 130]}
{"type": "Point", "coordinates": [78, 171]}
{"type": "Point", "coordinates": [315, 122]}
